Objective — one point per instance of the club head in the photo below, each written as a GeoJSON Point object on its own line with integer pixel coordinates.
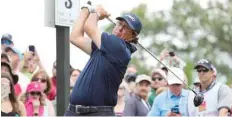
{"type": "Point", "coordinates": [198, 99]}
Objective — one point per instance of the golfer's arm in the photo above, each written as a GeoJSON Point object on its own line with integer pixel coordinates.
{"type": "Point", "coordinates": [77, 34]}
{"type": "Point", "coordinates": [92, 30]}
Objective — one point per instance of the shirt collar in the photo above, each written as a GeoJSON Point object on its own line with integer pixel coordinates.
{"type": "Point", "coordinates": [131, 47]}
{"type": "Point", "coordinates": [153, 90]}
{"type": "Point", "coordinates": [170, 94]}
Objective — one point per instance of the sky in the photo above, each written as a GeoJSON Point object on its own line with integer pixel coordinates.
{"type": "Point", "coordinates": [24, 20]}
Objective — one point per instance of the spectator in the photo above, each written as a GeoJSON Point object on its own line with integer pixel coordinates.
{"type": "Point", "coordinates": [160, 90]}
{"type": "Point", "coordinates": [169, 58]}
{"type": "Point", "coordinates": [175, 96]}
{"type": "Point", "coordinates": [42, 77]}
{"type": "Point", "coordinates": [52, 93]}
{"type": "Point", "coordinates": [129, 81]}
{"type": "Point", "coordinates": [54, 74]}
{"type": "Point", "coordinates": [46, 85]}
{"type": "Point", "coordinates": [10, 106]}
{"type": "Point", "coordinates": [5, 58]}
{"type": "Point", "coordinates": [217, 97]}
{"type": "Point", "coordinates": [74, 74]}
{"type": "Point", "coordinates": [137, 105]}
{"type": "Point", "coordinates": [6, 67]}
{"type": "Point", "coordinates": [158, 80]}
{"type": "Point", "coordinates": [31, 63]}
{"type": "Point", "coordinates": [15, 56]}
{"type": "Point", "coordinates": [119, 108]}
{"type": "Point", "coordinates": [34, 101]}
{"type": "Point", "coordinates": [6, 40]}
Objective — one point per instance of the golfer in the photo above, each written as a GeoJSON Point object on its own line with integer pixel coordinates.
{"type": "Point", "coordinates": [95, 92]}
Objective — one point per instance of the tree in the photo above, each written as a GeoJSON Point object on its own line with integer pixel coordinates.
{"type": "Point", "coordinates": [191, 31]}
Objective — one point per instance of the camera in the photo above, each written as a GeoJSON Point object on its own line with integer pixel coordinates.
{"type": "Point", "coordinates": [175, 109]}
{"type": "Point", "coordinates": [130, 77]}
{"type": "Point", "coordinates": [172, 54]}
{"type": "Point", "coordinates": [32, 48]}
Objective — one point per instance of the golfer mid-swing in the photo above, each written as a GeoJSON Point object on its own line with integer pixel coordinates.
{"type": "Point", "coordinates": [95, 92]}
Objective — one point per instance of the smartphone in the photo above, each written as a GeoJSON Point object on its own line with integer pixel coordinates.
{"type": "Point", "coordinates": [32, 48]}
{"type": "Point", "coordinates": [171, 53]}
{"type": "Point", "coordinates": [175, 110]}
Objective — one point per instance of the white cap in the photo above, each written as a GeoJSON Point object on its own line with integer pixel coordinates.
{"type": "Point", "coordinates": [172, 79]}
{"type": "Point", "coordinates": [159, 71]}
{"type": "Point", "coordinates": [142, 77]}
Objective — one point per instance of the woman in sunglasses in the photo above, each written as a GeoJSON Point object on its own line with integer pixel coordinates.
{"type": "Point", "coordinates": [46, 85]}
{"type": "Point", "coordinates": [6, 40]}
{"type": "Point", "coordinates": [34, 100]}
{"type": "Point", "coordinates": [10, 106]}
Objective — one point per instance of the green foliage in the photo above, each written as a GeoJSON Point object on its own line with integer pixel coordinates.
{"type": "Point", "coordinates": [191, 31]}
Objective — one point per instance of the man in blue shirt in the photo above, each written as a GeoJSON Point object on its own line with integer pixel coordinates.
{"type": "Point", "coordinates": [173, 102]}
{"type": "Point", "coordinates": [95, 92]}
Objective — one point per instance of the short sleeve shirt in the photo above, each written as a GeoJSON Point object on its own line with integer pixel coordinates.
{"type": "Point", "coordinates": [98, 83]}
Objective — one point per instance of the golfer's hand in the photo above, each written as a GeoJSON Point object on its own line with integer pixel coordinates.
{"type": "Point", "coordinates": [102, 12]}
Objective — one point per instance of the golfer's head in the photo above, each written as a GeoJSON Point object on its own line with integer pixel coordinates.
{"type": "Point", "coordinates": [128, 27]}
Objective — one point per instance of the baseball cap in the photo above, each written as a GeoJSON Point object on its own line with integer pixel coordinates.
{"type": "Point", "coordinates": [159, 71]}
{"type": "Point", "coordinates": [142, 77]}
{"type": "Point", "coordinates": [15, 77]}
{"type": "Point", "coordinates": [133, 21]}
{"type": "Point", "coordinates": [34, 86]}
{"type": "Point", "coordinates": [7, 36]}
{"type": "Point", "coordinates": [172, 79]}
{"type": "Point", "coordinates": [15, 51]}
{"type": "Point", "coordinates": [204, 63]}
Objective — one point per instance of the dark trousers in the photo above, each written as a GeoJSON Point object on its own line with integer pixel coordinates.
{"type": "Point", "coordinates": [71, 112]}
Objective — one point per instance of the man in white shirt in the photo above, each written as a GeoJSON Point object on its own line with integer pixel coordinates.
{"type": "Point", "coordinates": [217, 97]}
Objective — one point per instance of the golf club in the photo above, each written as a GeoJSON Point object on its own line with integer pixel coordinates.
{"type": "Point", "coordinates": [198, 99]}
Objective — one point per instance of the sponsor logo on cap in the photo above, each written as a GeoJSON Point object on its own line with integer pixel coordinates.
{"type": "Point", "coordinates": [203, 61]}
{"type": "Point", "coordinates": [131, 17]}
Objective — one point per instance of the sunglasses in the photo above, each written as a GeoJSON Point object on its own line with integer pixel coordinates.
{"type": "Point", "coordinates": [202, 70]}
{"type": "Point", "coordinates": [35, 93]}
{"type": "Point", "coordinates": [42, 80]}
{"type": "Point", "coordinates": [157, 78]}
{"type": "Point", "coordinates": [177, 85]}
{"type": "Point", "coordinates": [5, 41]}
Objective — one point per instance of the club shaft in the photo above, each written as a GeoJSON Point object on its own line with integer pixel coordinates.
{"type": "Point", "coordinates": [112, 21]}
